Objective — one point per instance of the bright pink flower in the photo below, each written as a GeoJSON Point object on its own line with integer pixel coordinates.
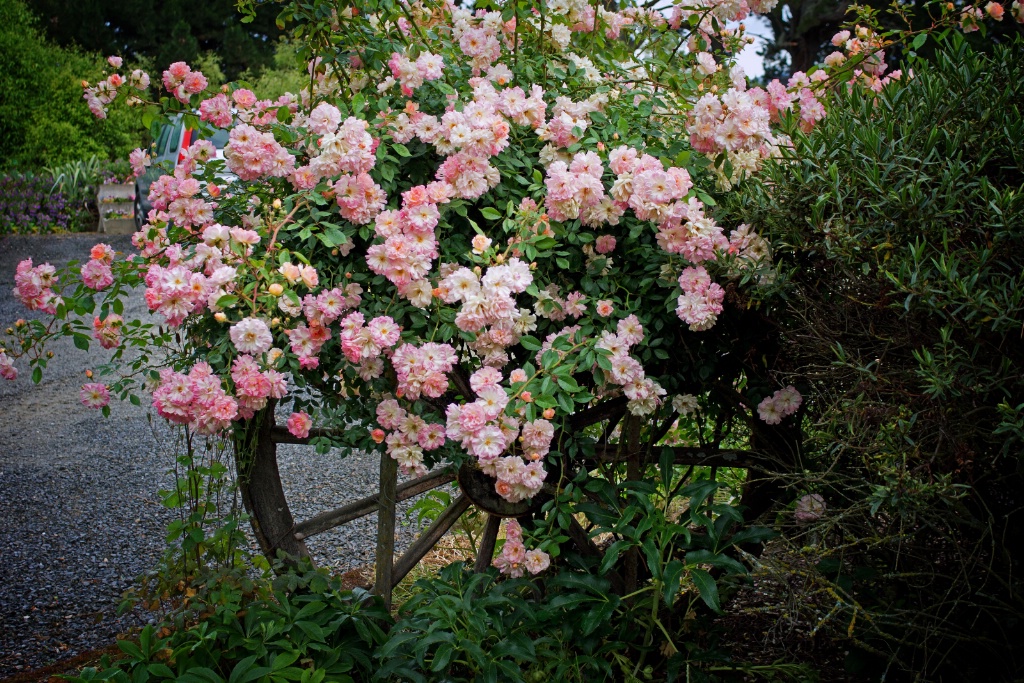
{"type": "Point", "coordinates": [299, 424]}
{"type": "Point", "coordinates": [94, 395]}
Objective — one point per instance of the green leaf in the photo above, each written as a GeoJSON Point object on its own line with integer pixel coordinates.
{"type": "Point", "coordinates": [401, 150]}
{"type": "Point", "coordinates": [919, 41]}
{"type": "Point", "coordinates": [227, 301]}
{"type": "Point", "coordinates": [707, 588]}
{"type": "Point", "coordinates": [533, 344]}
{"type": "Point", "coordinates": [81, 341]}
{"type": "Point", "coordinates": [490, 214]}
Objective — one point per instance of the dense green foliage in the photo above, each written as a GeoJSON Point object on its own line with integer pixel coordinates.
{"type": "Point", "coordinates": [42, 117]}
{"type": "Point", "coordinates": [899, 230]}
{"type": "Point", "coordinates": [164, 32]}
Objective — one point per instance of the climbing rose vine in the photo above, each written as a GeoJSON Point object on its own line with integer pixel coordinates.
{"type": "Point", "coordinates": [469, 228]}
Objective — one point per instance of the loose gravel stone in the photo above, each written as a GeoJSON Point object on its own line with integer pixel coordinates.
{"type": "Point", "coordinates": [79, 500]}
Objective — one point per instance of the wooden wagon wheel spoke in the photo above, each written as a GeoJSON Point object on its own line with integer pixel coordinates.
{"type": "Point", "coordinates": [487, 543]}
{"type": "Point", "coordinates": [428, 539]}
{"type": "Point", "coordinates": [330, 519]}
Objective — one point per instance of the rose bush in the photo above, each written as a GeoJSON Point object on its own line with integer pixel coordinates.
{"type": "Point", "coordinates": [486, 237]}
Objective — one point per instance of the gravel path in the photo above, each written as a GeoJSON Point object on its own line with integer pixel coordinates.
{"type": "Point", "coordinates": [79, 507]}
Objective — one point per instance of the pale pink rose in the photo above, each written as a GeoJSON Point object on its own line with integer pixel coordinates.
{"type": "Point", "coordinates": [809, 508]}
{"type": "Point", "coordinates": [7, 369]}
{"type": "Point", "coordinates": [537, 561]}
{"type": "Point", "coordinates": [299, 424]}
{"type": "Point", "coordinates": [251, 335]}
{"type": "Point", "coordinates": [480, 244]}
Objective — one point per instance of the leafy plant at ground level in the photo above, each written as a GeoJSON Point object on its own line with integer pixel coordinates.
{"type": "Point", "coordinates": [300, 627]}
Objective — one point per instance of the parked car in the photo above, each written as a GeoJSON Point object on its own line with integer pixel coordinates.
{"type": "Point", "coordinates": [166, 153]}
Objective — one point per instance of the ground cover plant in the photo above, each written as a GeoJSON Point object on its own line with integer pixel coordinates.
{"type": "Point", "coordinates": [511, 242]}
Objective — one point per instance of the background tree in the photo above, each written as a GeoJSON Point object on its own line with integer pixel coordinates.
{"type": "Point", "coordinates": [171, 31]}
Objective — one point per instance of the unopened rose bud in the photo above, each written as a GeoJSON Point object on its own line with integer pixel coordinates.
{"type": "Point", "coordinates": [10, 330]}
{"type": "Point", "coordinates": [275, 322]}
{"type": "Point", "coordinates": [220, 317]}
{"type": "Point", "coordinates": [348, 276]}
{"type": "Point", "coordinates": [526, 396]}
{"type": "Point", "coordinates": [49, 354]}
{"type": "Point", "coordinates": [88, 373]}
{"type": "Point", "coordinates": [377, 435]}
{"type": "Point", "coordinates": [548, 413]}
{"type": "Point", "coordinates": [534, 456]}
{"type": "Point", "coordinates": [477, 270]}
{"type": "Point", "coordinates": [276, 289]}
{"type": "Point", "coordinates": [615, 136]}
{"type": "Point", "coordinates": [276, 204]}
{"type": "Point", "coordinates": [20, 322]}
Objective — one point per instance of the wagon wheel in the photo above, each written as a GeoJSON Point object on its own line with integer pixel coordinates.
{"type": "Point", "coordinates": [276, 530]}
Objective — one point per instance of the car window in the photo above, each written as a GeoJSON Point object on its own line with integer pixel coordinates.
{"type": "Point", "coordinates": [174, 139]}
{"type": "Point", "coordinates": [219, 137]}
{"type": "Point", "coordinates": [161, 142]}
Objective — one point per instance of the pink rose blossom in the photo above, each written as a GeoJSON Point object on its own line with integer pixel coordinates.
{"type": "Point", "coordinates": [299, 424]}
{"type": "Point", "coordinates": [94, 395]}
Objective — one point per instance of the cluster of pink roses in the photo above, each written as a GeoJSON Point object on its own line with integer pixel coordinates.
{"type": "Point", "coordinates": [196, 399]}
{"type": "Point", "coordinates": [179, 195]}
{"type": "Point", "coordinates": [514, 557]}
{"type": "Point", "coordinates": [182, 82]}
{"type": "Point", "coordinates": [409, 246]}
{"type": "Point", "coordinates": [254, 386]}
{"type": "Point", "coordinates": [411, 74]}
{"type": "Point", "coordinates": [33, 286]}
{"type": "Point", "coordinates": [486, 433]}
{"type": "Point", "coordinates": [96, 274]}
{"type": "Point", "coordinates": [701, 301]}
{"type": "Point", "coordinates": [782, 403]}
{"type": "Point", "coordinates": [423, 370]}
{"type": "Point", "coordinates": [411, 436]}
{"type": "Point", "coordinates": [343, 147]}
{"type": "Point", "coordinates": [644, 394]}
{"type": "Point", "coordinates": [103, 93]}
{"type": "Point", "coordinates": [576, 191]}
{"type": "Point", "coordinates": [251, 154]}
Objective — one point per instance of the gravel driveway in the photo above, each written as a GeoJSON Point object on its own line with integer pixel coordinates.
{"type": "Point", "coordinates": [79, 507]}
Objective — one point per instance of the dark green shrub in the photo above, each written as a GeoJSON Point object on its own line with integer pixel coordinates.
{"type": "Point", "coordinates": [899, 233]}
{"type": "Point", "coordinates": [42, 117]}
{"type": "Point", "coordinates": [301, 627]}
